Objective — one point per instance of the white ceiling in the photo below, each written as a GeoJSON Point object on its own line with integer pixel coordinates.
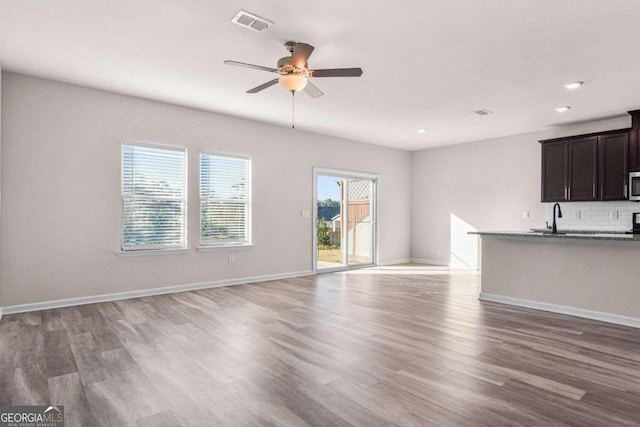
{"type": "Point", "coordinates": [427, 63]}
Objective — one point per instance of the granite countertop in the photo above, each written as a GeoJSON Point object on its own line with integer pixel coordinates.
{"type": "Point", "coordinates": [563, 234]}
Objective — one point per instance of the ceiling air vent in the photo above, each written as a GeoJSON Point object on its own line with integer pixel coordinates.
{"type": "Point", "coordinates": [251, 21]}
{"type": "Point", "coordinates": [483, 112]}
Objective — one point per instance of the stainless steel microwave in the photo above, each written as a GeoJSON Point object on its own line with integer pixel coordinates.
{"type": "Point", "coordinates": [634, 186]}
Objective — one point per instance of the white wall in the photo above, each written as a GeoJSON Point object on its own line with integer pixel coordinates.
{"type": "Point", "coordinates": [61, 192]}
{"type": "Point", "coordinates": [483, 185]}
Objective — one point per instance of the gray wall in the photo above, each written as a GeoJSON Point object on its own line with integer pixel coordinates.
{"type": "Point", "coordinates": [60, 184]}
{"type": "Point", "coordinates": [60, 220]}
{"type": "Point", "coordinates": [598, 276]}
{"type": "Point", "coordinates": [485, 184]}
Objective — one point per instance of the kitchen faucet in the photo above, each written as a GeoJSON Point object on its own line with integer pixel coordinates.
{"type": "Point", "coordinates": [554, 228]}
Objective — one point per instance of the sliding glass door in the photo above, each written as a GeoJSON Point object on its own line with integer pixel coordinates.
{"type": "Point", "coordinates": [344, 230]}
{"type": "Point", "coordinates": [359, 225]}
{"type": "Point", "coordinates": [329, 224]}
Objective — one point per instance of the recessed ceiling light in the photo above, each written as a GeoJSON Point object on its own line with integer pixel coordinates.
{"type": "Point", "coordinates": [562, 109]}
{"type": "Point", "coordinates": [573, 85]}
{"type": "Point", "coordinates": [422, 130]}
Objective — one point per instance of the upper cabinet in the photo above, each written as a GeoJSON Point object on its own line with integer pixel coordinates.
{"type": "Point", "coordinates": [555, 167]}
{"type": "Point", "coordinates": [583, 169]}
{"type": "Point", "coordinates": [586, 167]}
{"type": "Point", "coordinates": [613, 161]}
{"type": "Point", "coordinates": [634, 142]}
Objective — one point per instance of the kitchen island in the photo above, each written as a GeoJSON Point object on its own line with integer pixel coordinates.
{"type": "Point", "coordinates": [591, 275]}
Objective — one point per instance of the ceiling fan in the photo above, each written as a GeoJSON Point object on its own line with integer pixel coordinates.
{"type": "Point", "coordinates": [294, 71]}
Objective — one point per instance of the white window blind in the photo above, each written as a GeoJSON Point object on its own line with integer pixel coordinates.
{"type": "Point", "coordinates": [225, 195]}
{"type": "Point", "coordinates": [153, 197]}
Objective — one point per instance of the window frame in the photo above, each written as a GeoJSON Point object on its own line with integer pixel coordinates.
{"type": "Point", "coordinates": [217, 244]}
{"type": "Point", "coordinates": [157, 248]}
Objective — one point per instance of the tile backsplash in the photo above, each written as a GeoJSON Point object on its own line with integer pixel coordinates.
{"type": "Point", "coordinates": [605, 216]}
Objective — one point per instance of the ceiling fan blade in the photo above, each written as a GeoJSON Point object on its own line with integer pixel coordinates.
{"type": "Point", "coordinates": [312, 90]}
{"type": "Point", "coordinates": [336, 72]}
{"type": "Point", "coordinates": [263, 86]}
{"type": "Point", "coordinates": [301, 54]}
{"type": "Point", "coordinates": [256, 67]}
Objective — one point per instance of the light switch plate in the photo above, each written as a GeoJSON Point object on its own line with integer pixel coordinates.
{"type": "Point", "coordinates": [304, 213]}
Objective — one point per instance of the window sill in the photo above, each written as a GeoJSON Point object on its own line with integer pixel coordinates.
{"type": "Point", "coordinates": [148, 252]}
{"type": "Point", "coordinates": [234, 246]}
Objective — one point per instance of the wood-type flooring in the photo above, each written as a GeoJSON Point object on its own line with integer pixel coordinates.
{"type": "Point", "coordinates": [401, 345]}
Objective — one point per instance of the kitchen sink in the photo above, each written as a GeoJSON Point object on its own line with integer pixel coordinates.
{"type": "Point", "coordinates": [545, 231]}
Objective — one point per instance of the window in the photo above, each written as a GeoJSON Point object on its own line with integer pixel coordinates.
{"type": "Point", "coordinates": [224, 199]}
{"type": "Point", "coordinates": [153, 197]}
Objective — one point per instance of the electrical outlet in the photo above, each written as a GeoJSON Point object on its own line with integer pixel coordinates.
{"type": "Point", "coordinates": [576, 215]}
{"type": "Point", "coordinates": [613, 214]}
{"type": "Point", "coordinates": [304, 213]}
{"type": "Point", "coordinates": [232, 259]}
{"type": "Point", "coordinates": [525, 214]}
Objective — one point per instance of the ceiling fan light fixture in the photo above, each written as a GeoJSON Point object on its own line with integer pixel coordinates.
{"type": "Point", "coordinates": [294, 71]}
{"type": "Point", "coordinates": [293, 82]}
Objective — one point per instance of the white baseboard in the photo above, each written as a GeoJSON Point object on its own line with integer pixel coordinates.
{"type": "Point", "coordinates": [394, 262]}
{"type": "Point", "coordinates": [563, 309]}
{"type": "Point", "coordinates": [430, 262]}
{"type": "Point", "coordinates": [45, 305]}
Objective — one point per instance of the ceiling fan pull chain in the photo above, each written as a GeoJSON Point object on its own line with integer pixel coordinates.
{"type": "Point", "coordinates": [293, 109]}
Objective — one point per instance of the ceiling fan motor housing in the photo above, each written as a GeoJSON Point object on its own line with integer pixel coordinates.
{"type": "Point", "coordinates": [285, 62]}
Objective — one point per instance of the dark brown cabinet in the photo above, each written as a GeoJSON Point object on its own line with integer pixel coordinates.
{"type": "Point", "coordinates": [555, 164]}
{"type": "Point", "coordinates": [634, 141]}
{"type": "Point", "coordinates": [613, 161]}
{"type": "Point", "coordinates": [585, 168]}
